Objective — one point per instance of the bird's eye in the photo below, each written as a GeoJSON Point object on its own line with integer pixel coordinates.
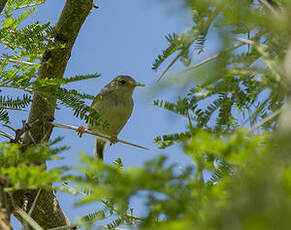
{"type": "Point", "coordinates": [122, 82]}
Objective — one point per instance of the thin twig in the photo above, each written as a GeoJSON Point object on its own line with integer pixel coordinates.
{"type": "Point", "coordinates": [270, 7]}
{"type": "Point", "coordinates": [106, 227]}
{"type": "Point", "coordinates": [30, 90]}
{"type": "Point", "coordinates": [28, 219]}
{"type": "Point", "coordinates": [102, 201]}
{"type": "Point", "coordinates": [67, 227]}
{"type": "Point", "coordinates": [26, 6]}
{"type": "Point", "coordinates": [8, 45]}
{"type": "Point", "coordinates": [128, 215]}
{"type": "Point", "coordinates": [207, 25]}
{"type": "Point", "coordinates": [176, 58]}
{"type": "Point", "coordinates": [34, 202]}
{"type": "Point", "coordinates": [6, 107]}
{"type": "Point", "coordinates": [7, 135]}
{"type": "Point", "coordinates": [206, 60]}
{"type": "Point", "coordinates": [18, 62]}
{"type": "Point", "coordinates": [2, 5]}
{"type": "Point", "coordinates": [96, 134]}
{"type": "Point", "coordinates": [248, 41]}
{"type": "Point", "coordinates": [189, 120]}
{"type": "Point", "coordinates": [266, 119]}
{"type": "Point", "coordinates": [18, 132]}
{"type": "Point", "coordinates": [9, 127]}
{"type": "Point", "coordinates": [31, 137]}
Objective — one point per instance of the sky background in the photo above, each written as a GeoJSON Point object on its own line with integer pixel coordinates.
{"type": "Point", "coordinates": [121, 37]}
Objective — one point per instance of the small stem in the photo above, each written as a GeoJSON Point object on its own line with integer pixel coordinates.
{"type": "Point", "coordinates": [18, 62]}
{"type": "Point", "coordinates": [34, 202]}
{"type": "Point", "coordinates": [7, 135]}
{"type": "Point", "coordinates": [96, 134]}
{"type": "Point", "coordinates": [270, 7]}
{"type": "Point", "coordinates": [268, 118]}
{"type": "Point", "coordinates": [28, 219]}
{"type": "Point", "coordinates": [206, 60]}
{"type": "Point", "coordinates": [2, 5]}
{"type": "Point", "coordinates": [65, 227]}
{"type": "Point", "coordinates": [102, 201]}
{"type": "Point", "coordinates": [189, 120]}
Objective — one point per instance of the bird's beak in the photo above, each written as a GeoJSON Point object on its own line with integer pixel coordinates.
{"type": "Point", "coordinates": [139, 84]}
{"type": "Point", "coordinates": [134, 84]}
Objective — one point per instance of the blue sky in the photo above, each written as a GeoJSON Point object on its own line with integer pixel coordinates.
{"type": "Point", "coordinates": [121, 37]}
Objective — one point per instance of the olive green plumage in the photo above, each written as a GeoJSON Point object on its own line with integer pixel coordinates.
{"type": "Point", "coordinates": [115, 105]}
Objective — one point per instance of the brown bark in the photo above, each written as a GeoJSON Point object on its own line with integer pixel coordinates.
{"type": "Point", "coordinates": [5, 206]}
{"type": "Point", "coordinates": [2, 4]}
{"type": "Point", "coordinates": [47, 212]}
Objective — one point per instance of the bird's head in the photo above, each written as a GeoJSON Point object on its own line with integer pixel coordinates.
{"type": "Point", "coordinates": [124, 85]}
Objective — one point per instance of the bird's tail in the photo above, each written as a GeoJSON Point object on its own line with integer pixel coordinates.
{"type": "Point", "coordinates": [99, 149]}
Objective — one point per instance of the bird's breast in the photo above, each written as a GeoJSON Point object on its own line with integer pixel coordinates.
{"type": "Point", "coordinates": [115, 111]}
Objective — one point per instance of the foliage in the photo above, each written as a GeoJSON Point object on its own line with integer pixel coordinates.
{"type": "Point", "coordinates": [24, 169]}
{"type": "Point", "coordinates": [24, 46]}
{"type": "Point", "coordinates": [240, 173]}
{"type": "Point", "coordinates": [248, 182]}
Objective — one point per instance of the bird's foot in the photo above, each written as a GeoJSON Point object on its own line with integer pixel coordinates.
{"type": "Point", "coordinates": [80, 130]}
{"type": "Point", "coordinates": [113, 139]}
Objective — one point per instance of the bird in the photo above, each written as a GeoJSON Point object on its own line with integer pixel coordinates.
{"type": "Point", "coordinates": [114, 103]}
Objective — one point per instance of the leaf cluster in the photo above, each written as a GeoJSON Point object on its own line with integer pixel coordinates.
{"type": "Point", "coordinates": [236, 180]}
{"type": "Point", "coordinates": [24, 168]}
{"type": "Point", "coordinates": [24, 45]}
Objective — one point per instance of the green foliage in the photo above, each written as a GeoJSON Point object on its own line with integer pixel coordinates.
{"type": "Point", "coordinates": [174, 45]}
{"type": "Point", "coordinates": [24, 45]}
{"type": "Point", "coordinates": [18, 103]}
{"type": "Point", "coordinates": [249, 174]}
{"type": "Point", "coordinates": [30, 177]}
{"type": "Point", "coordinates": [237, 179]}
{"type": "Point", "coordinates": [24, 169]}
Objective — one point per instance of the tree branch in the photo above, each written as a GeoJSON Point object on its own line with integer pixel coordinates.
{"type": "Point", "coordinates": [47, 212]}
{"type": "Point", "coordinates": [28, 219]}
{"type": "Point", "coordinates": [96, 134]}
{"type": "Point", "coordinates": [5, 206]}
{"type": "Point", "coordinates": [266, 119]}
{"type": "Point", "coordinates": [2, 5]}
{"type": "Point", "coordinates": [18, 61]}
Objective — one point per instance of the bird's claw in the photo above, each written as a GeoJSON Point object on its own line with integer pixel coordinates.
{"type": "Point", "coordinates": [80, 130]}
{"type": "Point", "coordinates": [113, 139]}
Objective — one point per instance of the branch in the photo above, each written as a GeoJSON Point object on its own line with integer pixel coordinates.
{"type": "Point", "coordinates": [96, 134]}
{"type": "Point", "coordinates": [249, 42]}
{"type": "Point", "coordinates": [74, 190]}
{"type": "Point", "coordinates": [9, 108]}
{"type": "Point", "coordinates": [207, 25]}
{"type": "Point", "coordinates": [270, 7]}
{"type": "Point", "coordinates": [20, 7]}
{"type": "Point", "coordinates": [7, 135]}
{"type": "Point", "coordinates": [19, 132]}
{"type": "Point", "coordinates": [53, 65]}
{"type": "Point", "coordinates": [206, 60]}
{"type": "Point", "coordinates": [5, 205]}
{"type": "Point", "coordinates": [34, 202]}
{"type": "Point", "coordinates": [18, 62]}
{"type": "Point", "coordinates": [28, 219]}
{"type": "Point", "coordinates": [29, 5]}
{"type": "Point", "coordinates": [266, 119]}
{"type": "Point", "coordinates": [2, 5]}
{"type": "Point", "coordinates": [65, 227]}
{"type": "Point", "coordinates": [176, 58]}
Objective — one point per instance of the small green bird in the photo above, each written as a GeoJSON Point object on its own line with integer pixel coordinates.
{"type": "Point", "coordinates": [114, 104]}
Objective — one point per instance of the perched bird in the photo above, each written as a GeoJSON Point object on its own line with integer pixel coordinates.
{"type": "Point", "coordinates": [114, 103]}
